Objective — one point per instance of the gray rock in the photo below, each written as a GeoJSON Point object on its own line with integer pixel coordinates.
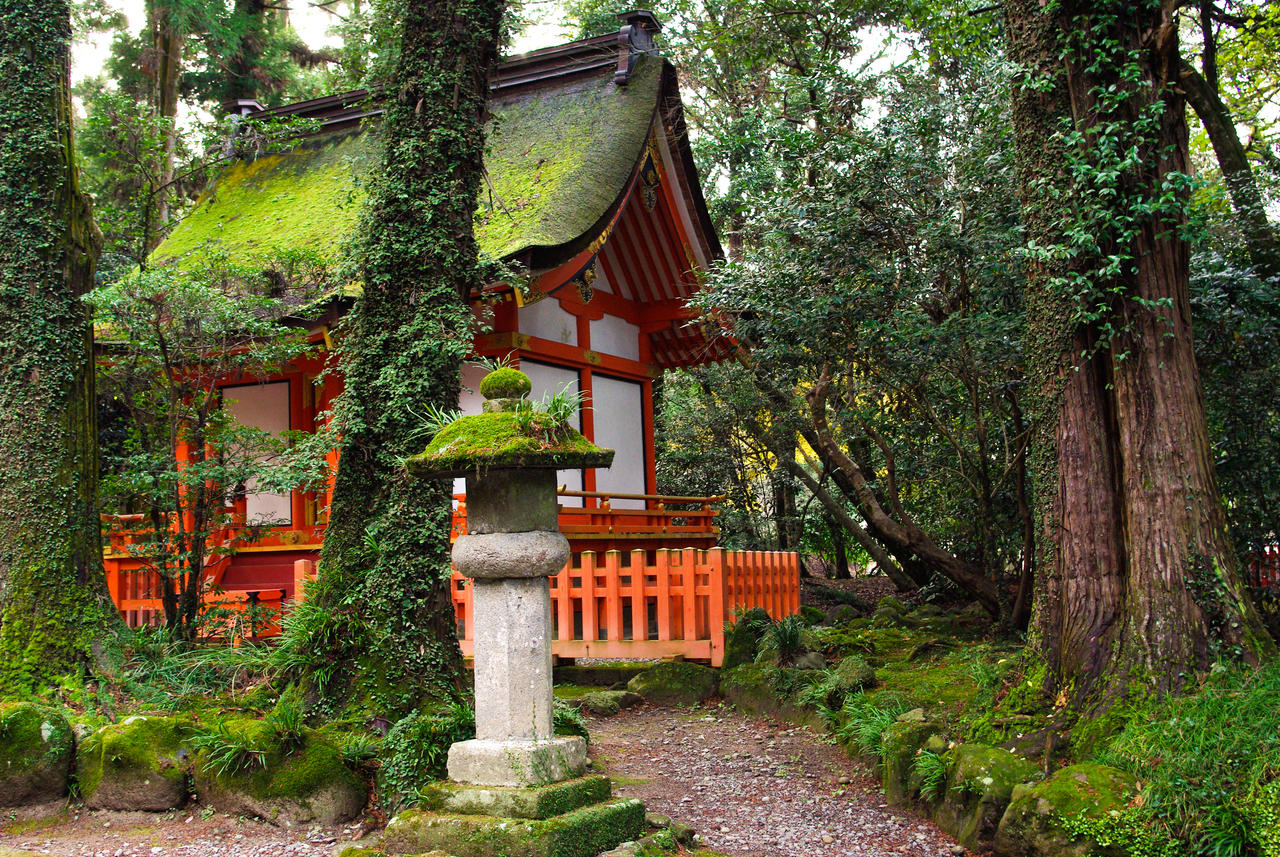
{"type": "Point", "coordinates": [675, 683]}
{"type": "Point", "coordinates": [810, 661]}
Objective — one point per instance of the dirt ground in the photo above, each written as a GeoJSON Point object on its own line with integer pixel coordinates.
{"type": "Point", "coordinates": [756, 788]}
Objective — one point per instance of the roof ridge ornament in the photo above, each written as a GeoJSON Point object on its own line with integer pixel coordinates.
{"type": "Point", "coordinates": [635, 37]}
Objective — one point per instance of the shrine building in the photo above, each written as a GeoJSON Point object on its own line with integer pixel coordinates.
{"type": "Point", "coordinates": [592, 192]}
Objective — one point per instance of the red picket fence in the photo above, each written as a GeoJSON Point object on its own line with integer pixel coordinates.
{"type": "Point", "coordinates": [655, 603]}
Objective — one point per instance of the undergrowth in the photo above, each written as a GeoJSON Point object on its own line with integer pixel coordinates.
{"type": "Point", "coordinates": [931, 767]}
{"type": "Point", "coordinates": [166, 675]}
{"type": "Point", "coordinates": [863, 720]}
{"type": "Point", "coordinates": [1208, 764]}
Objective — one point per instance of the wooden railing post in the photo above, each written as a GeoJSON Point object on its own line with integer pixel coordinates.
{"type": "Point", "coordinates": [590, 630]}
{"type": "Point", "coordinates": [303, 571]}
{"type": "Point", "coordinates": [563, 599]}
{"type": "Point", "coordinates": [716, 615]}
{"type": "Point", "coordinates": [689, 580]}
{"type": "Point", "coordinates": [662, 570]}
{"type": "Point", "coordinates": [613, 595]}
{"type": "Point", "coordinates": [639, 601]}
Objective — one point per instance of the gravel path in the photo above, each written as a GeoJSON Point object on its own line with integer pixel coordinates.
{"type": "Point", "coordinates": [756, 788]}
{"type": "Point", "coordinates": [71, 833]}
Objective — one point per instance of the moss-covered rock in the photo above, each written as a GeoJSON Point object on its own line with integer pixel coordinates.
{"type": "Point", "coordinates": [889, 613]}
{"type": "Point", "coordinates": [606, 703]}
{"type": "Point", "coordinates": [852, 674]}
{"type": "Point", "coordinates": [306, 784]}
{"type": "Point", "coordinates": [140, 763]}
{"type": "Point", "coordinates": [980, 784]}
{"type": "Point", "coordinates": [676, 683]}
{"type": "Point", "coordinates": [812, 615]}
{"type": "Point", "coordinates": [36, 747]}
{"type": "Point", "coordinates": [899, 743]}
{"type": "Point", "coordinates": [583, 832]}
{"type": "Point", "coordinates": [1031, 826]}
{"type": "Point", "coordinates": [613, 676]}
{"type": "Point", "coordinates": [742, 639]}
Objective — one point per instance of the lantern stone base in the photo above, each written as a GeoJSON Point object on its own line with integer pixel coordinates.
{"type": "Point", "coordinates": [539, 802]}
{"type": "Point", "coordinates": [517, 762]}
{"type": "Point", "coordinates": [585, 831]}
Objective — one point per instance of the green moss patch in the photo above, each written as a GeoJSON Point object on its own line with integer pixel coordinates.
{"type": "Point", "coordinates": [557, 160]}
{"type": "Point", "coordinates": [506, 439]}
{"type": "Point", "coordinates": [505, 383]}
{"type": "Point", "coordinates": [584, 832]}
{"type": "Point", "coordinates": [540, 802]}
{"type": "Point", "coordinates": [140, 763]}
{"type": "Point", "coordinates": [35, 754]}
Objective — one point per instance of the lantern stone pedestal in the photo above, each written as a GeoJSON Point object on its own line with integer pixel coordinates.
{"type": "Point", "coordinates": [517, 788]}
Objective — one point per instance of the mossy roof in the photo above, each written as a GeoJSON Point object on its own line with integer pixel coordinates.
{"type": "Point", "coordinates": [557, 158]}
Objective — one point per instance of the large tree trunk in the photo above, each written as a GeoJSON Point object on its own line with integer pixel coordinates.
{"type": "Point", "coordinates": [1137, 584]}
{"type": "Point", "coordinates": [385, 571]}
{"type": "Point", "coordinates": [54, 608]}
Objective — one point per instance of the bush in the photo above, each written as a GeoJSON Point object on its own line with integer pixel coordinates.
{"type": "Point", "coordinates": [931, 768]}
{"type": "Point", "coordinates": [783, 641]}
{"type": "Point", "coordinates": [1204, 759]}
{"type": "Point", "coordinates": [416, 751]}
{"type": "Point", "coordinates": [742, 636]}
{"type": "Point", "coordinates": [865, 720]}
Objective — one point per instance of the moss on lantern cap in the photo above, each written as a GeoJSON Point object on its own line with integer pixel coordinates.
{"type": "Point", "coordinates": [511, 433]}
{"type": "Point", "coordinates": [505, 383]}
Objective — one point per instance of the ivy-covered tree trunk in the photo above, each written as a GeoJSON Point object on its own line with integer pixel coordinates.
{"type": "Point", "coordinates": [55, 612]}
{"type": "Point", "coordinates": [1137, 584]}
{"type": "Point", "coordinates": [382, 601]}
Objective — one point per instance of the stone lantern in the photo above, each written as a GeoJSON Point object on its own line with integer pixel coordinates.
{"type": "Point", "coordinates": [509, 455]}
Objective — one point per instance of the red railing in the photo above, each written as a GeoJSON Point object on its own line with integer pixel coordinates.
{"type": "Point", "coordinates": [664, 596]}
{"type": "Point", "coordinates": [654, 603]}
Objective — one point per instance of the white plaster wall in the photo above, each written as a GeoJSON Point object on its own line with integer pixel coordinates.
{"type": "Point", "coordinates": [547, 320]}
{"type": "Point", "coordinates": [265, 407]}
{"type": "Point", "coordinates": [613, 335]}
{"type": "Point", "coordinates": [619, 421]}
{"type": "Point", "coordinates": [548, 380]}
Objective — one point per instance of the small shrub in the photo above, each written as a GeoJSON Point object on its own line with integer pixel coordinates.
{"type": "Point", "coordinates": [1120, 834]}
{"type": "Point", "coordinates": [1203, 760]}
{"type": "Point", "coordinates": [416, 751]}
{"type": "Point", "coordinates": [864, 720]}
{"type": "Point", "coordinates": [931, 767]}
{"type": "Point", "coordinates": [284, 727]}
{"type": "Point", "coordinates": [568, 720]}
{"type": "Point", "coordinates": [783, 641]}
{"type": "Point", "coordinates": [229, 751]}
{"type": "Point", "coordinates": [358, 748]}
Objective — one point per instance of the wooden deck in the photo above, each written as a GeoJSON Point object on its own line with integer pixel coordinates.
{"type": "Point", "coordinates": [641, 583]}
